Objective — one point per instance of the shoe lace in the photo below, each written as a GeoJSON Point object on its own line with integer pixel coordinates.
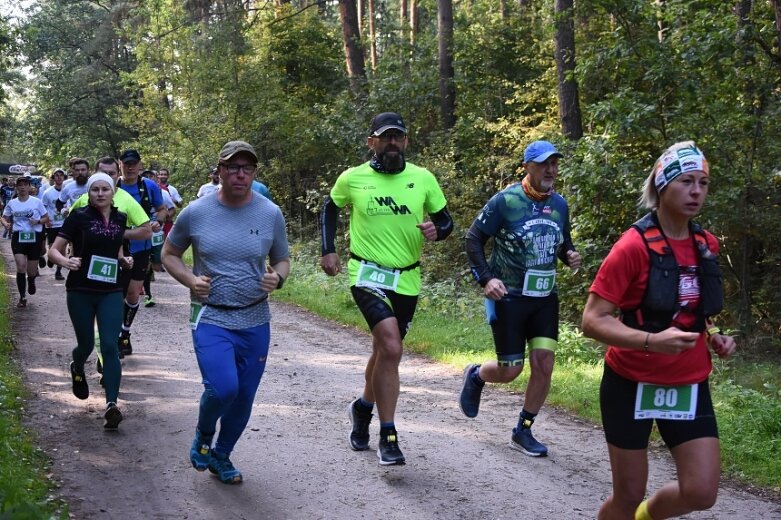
{"type": "Point", "coordinates": [224, 465]}
{"type": "Point", "coordinates": [391, 443]}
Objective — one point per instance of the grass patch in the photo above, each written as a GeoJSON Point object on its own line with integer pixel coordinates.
{"type": "Point", "coordinates": [25, 489]}
{"type": "Point", "coordinates": [449, 327]}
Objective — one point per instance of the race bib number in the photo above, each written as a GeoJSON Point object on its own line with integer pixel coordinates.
{"type": "Point", "coordinates": [538, 283]}
{"type": "Point", "coordinates": [196, 311]}
{"type": "Point", "coordinates": [370, 275]}
{"type": "Point", "coordinates": [677, 403]}
{"type": "Point", "coordinates": [27, 237]}
{"type": "Point", "coordinates": [157, 238]}
{"type": "Point", "coordinates": [102, 269]}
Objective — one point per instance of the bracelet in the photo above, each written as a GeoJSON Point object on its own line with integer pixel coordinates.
{"type": "Point", "coordinates": [281, 281]}
{"type": "Point", "coordinates": [712, 330]}
{"type": "Point", "coordinates": [645, 345]}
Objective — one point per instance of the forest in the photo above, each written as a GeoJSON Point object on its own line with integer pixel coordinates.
{"type": "Point", "coordinates": [611, 82]}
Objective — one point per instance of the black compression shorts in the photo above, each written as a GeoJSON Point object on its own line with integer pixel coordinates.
{"type": "Point", "coordinates": [617, 402]}
{"type": "Point", "coordinates": [518, 320]}
{"type": "Point", "coordinates": [377, 305]}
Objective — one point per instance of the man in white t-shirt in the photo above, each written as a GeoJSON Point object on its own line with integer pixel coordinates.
{"type": "Point", "coordinates": [210, 187]}
{"type": "Point", "coordinates": [56, 218]}
{"type": "Point", "coordinates": [73, 190]}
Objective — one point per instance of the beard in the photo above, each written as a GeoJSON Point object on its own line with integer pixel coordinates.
{"type": "Point", "coordinates": [81, 180]}
{"type": "Point", "coordinates": [391, 162]}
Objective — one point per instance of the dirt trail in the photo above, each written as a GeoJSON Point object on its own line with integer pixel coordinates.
{"type": "Point", "coordinates": [294, 454]}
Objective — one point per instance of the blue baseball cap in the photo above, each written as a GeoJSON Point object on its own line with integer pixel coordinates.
{"type": "Point", "coordinates": [539, 151]}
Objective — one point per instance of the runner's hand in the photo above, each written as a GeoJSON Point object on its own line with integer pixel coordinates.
{"type": "Point", "coordinates": [201, 286]}
{"type": "Point", "coordinates": [428, 229]}
{"type": "Point", "coordinates": [270, 279]}
{"type": "Point", "coordinates": [127, 262]}
{"type": "Point", "coordinates": [155, 226]}
{"type": "Point", "coordinates": [495, 289]}
{"type": "Point", "coordinates": [574, 260]}
{"type": "Point", "coordinates": [723, 346]}
{"type": "Point", "coordinates": [330, 264]}
{"type": "Point", "coordinates": [73, 263]}
{"type": "Point", "coordinates": [672, 341]}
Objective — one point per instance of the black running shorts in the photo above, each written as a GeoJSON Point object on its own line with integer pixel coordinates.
{"type": "Point", "coordinates": [377, 305]}
{"type": "Point", "coordinates": [617, 401]}
{"type": "Point", "coordinates": [518, 320]}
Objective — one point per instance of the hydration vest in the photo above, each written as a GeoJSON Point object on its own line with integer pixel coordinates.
{"type": "Point", "coordinates": [660, 301]}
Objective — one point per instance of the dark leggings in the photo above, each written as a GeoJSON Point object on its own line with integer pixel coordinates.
{"type": "Point", "coordinates": [84, 308]}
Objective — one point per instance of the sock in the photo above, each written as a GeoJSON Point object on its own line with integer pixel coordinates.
{"type": "Point", "coordinates": [59, 270]}
{"type": "Point", "coordinates": [526, 419]}
{"type": "Point", "coordinates": [130, 314]}
{"type": "Point", "coordinates": [21, 283]}
{"type": "Point", "coordinates": [366, 405]}
{"type": "Point", "coordinates": [148, 284]}
{"type": "Point", "coordinates": [641, 513]}
{"type": "Point", "coordinates": [386, 428]}
{"type": "Point", "coordinates": [476, 379]}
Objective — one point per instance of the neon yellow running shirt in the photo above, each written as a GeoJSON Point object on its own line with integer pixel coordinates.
{"type": "Point", "coordinates": [124, 202]}
{"type": "Point", "coordinates": [385, 211]}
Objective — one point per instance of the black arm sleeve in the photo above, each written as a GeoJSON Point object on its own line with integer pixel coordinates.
{"type": "Point", "coordinates": [329, 217]}
{"type": "Point", "coordinates": [475, 241]}
{"type": "Point", "coordinates": [567, 244]}
{"type": "Point", "coordinates": [443, 223]}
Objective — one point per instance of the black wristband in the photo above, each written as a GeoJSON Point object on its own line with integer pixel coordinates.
{"type": "Point", "coordinates": [281, 281]}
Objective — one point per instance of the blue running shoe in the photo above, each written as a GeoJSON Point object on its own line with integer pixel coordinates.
{"type": "Point", "coordinates": [200, 451]}
{"type": "Point", "coordinates": [222, 466]}
{"type": "Point", "coordinates": [523, 441]}
{"type": "Point", "coordinates": [469, 400]}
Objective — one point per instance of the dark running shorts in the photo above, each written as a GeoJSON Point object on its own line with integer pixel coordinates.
{"type": "Point", "coordinates": [518, 320]}
{"type": "Point", "coordinates": [378, 305]}
{"type": "Point", "coordinates": [31, 250]}
{"type": "Point", "coordinates": [617, 402]}
{"type": "Point", "coordinates": [140, 267]}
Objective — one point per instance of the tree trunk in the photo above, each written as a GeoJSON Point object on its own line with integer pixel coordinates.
{"type": "Point", "coordinates": [777, 9]}
{"type": "Point", "coordinates": [447, 87]}
{"type": "Point", "coordinates": [742, 39]}
{"type": "Point", "coordinates": [569, 105]}
{"type": "Point", "coordinates": [660, 28]}
{"type": "Point", "coordinates": [361, 4]}
{"type": "Point", "coordinates": [414, 22]}
{"type": "Point", "coordinates": [372, 36]}
{"type": "Point", "coordinates": [353, 53]}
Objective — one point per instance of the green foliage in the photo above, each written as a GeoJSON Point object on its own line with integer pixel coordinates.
{"type": "Point", "coordinates": [24, 487]}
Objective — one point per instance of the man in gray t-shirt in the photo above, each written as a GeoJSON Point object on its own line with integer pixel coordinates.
{"type": "Point", "coordinates": [231, 233]}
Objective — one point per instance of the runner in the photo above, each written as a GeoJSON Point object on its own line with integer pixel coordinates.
{"type": "Point", "coordinates": [529, 223]}
{"type": "Point", "coordinates": [210, 187]}
{"type": "Point", "coordinates": [28, 215]}
{"type": "Point", "coordinates": [388, 198]}
{"type": "Point", "coordinates": [56, 217]}
{"type": "Point", "coordinates": [657, 363]}
{"type": "Point", "coordinates": [77, 187]}
{"type": "Point", "coordinates": [93, 289]}
{"type": "Point", "coordinates": [147, 193]}
{"type": "Point", "coordinates": [155, 261]}
{"type": "Point", "coordinates": [231, 234]}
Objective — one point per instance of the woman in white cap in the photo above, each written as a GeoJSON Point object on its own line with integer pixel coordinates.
{"type": "Point", "coordinates": [93, 288]}
{"type": "Point", "coordinates": [662, 280]}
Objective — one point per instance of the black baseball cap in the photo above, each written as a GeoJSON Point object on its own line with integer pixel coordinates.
{"type": "Point", "coordinates": [130, 155]}
{"type": "Point", "coordinates": [386, 121]}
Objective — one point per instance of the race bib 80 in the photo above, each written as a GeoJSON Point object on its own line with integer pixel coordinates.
{"type": "Point", "coordinates": [678, 403]}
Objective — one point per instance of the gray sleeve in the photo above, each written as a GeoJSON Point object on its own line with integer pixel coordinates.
{"type": "Point", "coordinates": [179, 236]}
{"type": "Point", "coordinates": [279, 249]}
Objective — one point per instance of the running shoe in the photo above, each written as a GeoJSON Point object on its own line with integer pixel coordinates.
{"type": "Point", "coordinates": [388, 450]}
{"type": "Point", "coordinates": [80, 386]}
{"type": "Point", "coordinates": [31, 285]}
{"type": "Point", "coordinates": [149, 302]}
{"type": "Point", "coordinates": [200, 451]}
{"type": "Point", "coordinates": [112, 417]}
{"type": "Point", "coordinates": [523, 441]}
{"type": "Point", "coordinates": [469, 400]}
{"type": "Point", "coordinates": [360, 419]}
{"type": "Point", "coordinates": [222, 466]}
{"type": "Point", "coordinates": [125, 347]}
{"type": "Point", "coordinates": [22, 303]}
{"type": "Point", "coordinates": [42, 262]}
